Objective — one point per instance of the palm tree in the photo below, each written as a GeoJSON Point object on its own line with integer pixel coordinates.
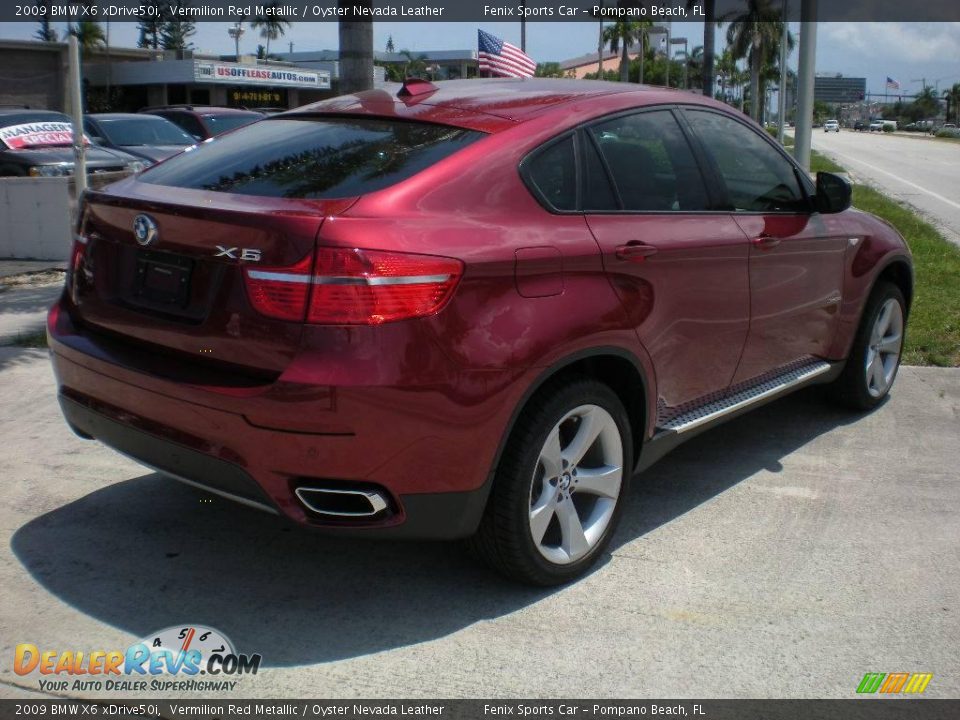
{"type": "Point", "coordinates": [271, 25]}
{"type": "Point", "coordinates": [621, 35]}
{"type": "Point", "coordinates": [694, 62]}
{"type": "Point", "coordinates": [45, 33]}
{"type": "Point", "coordinates": [89, 35]}
{"type": "Point", "coordinates": [952, 96]}
{"type": "Point", "coordinates": [601, 39]}
{"type": "Point", "coordinates": [726, 67]}
{"type": "Point", "coordinates": [709, 42]}
{"type": "Point", "coordinates": [755, 34]}
{"type": "Point", "coordinates": [356, 49]}
{"type": "Point", "coordinates": [415, 65]}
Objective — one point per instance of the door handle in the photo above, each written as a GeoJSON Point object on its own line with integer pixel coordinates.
{"type": "Point", "coordinates": [766, 242]}
{"type": "Point", "coordinates": [635, 251]}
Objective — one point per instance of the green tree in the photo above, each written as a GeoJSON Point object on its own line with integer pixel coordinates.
{"type": "Point", "coordinates": [262, 54]}
{"type": "Point", "coordinates": [149, 33]}
{"type": "Point", "coordinates": [390, 48]}
{"type": "Point", "coordinates": [271, 24]}
{"type": "Point", "coordinates": [89, 34]}
{"type": "Point", "coordinates": [45, 33]}
{"type": "Point", "coordinates": [926, 103]}
{"type": "Point", "coordinates": [694, 65]}
{"type": "Point", "coordinates": [620, 36]}
{"type": "Point", "coordinates": [755, 34]}
{"type": "Point", "coordinates": [414, 66]}
{"type": "Point", "coordinates": [174, 34]}
{"type": "Point", "coordinates": [726, 69]}
{"type": "Point", "coordinates": [548, 70]}
{"type": "Point", "coordinates": [952, 96]}
{"type": "Point", "coordinates": [356, 49]}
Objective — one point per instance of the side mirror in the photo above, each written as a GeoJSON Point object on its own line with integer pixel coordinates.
{"type": "Point", "coordinates": [833, 192]}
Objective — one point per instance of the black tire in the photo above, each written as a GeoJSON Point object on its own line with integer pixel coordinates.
{"type": "Point", "coordinates": [504, 539]}
{"type": "Point", "coordinates": [851, 389]}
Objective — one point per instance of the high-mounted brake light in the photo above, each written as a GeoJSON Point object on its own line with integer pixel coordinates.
{"type": "Point", "coordinates": [350, 286]}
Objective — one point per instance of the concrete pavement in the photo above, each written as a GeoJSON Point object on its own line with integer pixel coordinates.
{"type": "Point", "coordinates": [784, 554]}
{"type": "Point", "coordinates": [919, 170]}
{"type": "Point", "coordinates": [24, 310]}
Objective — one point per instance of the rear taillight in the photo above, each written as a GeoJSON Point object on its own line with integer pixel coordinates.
{"type": "Point", "coordinates": [79, 248]}
{"type": "Point", "coordinates": [76, 260]}
{"type": "Point", "coordinates": [281, 293]}
{"type": "Point", "coordinates": [349, 286]}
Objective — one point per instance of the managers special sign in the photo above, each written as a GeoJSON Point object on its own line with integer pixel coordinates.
{"type": "Point", "coordinates": [254, 75]}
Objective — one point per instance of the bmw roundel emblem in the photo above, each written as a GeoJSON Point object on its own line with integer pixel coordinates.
{"type": "Point", "coordinates": [144, 229]}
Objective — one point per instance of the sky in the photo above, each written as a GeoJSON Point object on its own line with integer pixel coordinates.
{"type": "Point", "coordinates": [907, 52]}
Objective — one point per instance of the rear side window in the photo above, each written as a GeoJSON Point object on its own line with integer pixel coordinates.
{"type": "Point", "coordinates": [598, 193]}
{"type": "Point", "coordinates": [188, 122]}
{"type": "Point", "coordinates": [312, 157]}
{"type": "Point", "coordinates": [553, 172]}
{"type": "Point", "coordinates": [651, 162]}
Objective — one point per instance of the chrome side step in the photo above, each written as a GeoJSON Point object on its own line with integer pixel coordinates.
{"type": "Point", "coordinates": [716, 409]}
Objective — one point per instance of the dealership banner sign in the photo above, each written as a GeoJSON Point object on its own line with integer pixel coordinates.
{"type": "Point", "coordinates": [240, 75]}
{"type": "Point", "coordinates": [37, 134]}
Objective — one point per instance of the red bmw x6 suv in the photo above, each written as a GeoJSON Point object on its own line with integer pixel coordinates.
{"type": "Point", "coordinates": [467, 310]}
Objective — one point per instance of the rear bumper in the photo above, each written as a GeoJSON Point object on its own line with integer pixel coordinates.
{"type": "Point", "coordinates": [431, 455]}
{"type": "Point", "coordinates": [425, 515]}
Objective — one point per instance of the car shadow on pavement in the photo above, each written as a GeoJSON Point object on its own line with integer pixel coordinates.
{"type": "Point", "coordinates": [148, 553]}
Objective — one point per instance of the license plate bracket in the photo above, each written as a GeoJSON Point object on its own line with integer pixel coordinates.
{"type": "Point", "coordinates": [163, 279]}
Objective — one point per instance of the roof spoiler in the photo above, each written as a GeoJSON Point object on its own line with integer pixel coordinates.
{"type": "Point", "coordinates": [412, 87]}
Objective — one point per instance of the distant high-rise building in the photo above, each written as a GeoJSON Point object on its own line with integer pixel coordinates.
{"type": "Point", "coordinates": [834, 89]}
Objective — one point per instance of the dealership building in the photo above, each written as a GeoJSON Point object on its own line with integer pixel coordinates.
{"type": "Point", "coordinates": [127, 79]}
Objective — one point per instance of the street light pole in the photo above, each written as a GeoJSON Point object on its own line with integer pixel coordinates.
{"type": "Point", "coordinates": [782, 100]}
{"type": "Point", "coordinates": [76, 114]}
{"type": "Point", "coordinates": [667, 83]}
{"type": "Point", "coordinates": [805, 81]}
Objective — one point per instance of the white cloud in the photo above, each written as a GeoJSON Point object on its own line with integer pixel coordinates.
{"type": "Point", "coordinates": [897, 42]}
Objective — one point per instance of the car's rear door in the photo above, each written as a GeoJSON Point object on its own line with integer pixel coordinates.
{"type": "Point", "coordinates": [796, 262]}
{"type": "Point", "coordinates": [679, 268]}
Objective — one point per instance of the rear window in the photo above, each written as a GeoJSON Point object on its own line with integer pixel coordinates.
{"type": "Point", "coordinates": [143, 131]}
{"type": "Point", "coordinates": [229, 121]}
{"type": "Point", "coordinates": [312, 157]}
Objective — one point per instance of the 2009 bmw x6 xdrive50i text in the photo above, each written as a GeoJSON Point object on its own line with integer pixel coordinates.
{"type": "Point", "coordinates": [472, 310]}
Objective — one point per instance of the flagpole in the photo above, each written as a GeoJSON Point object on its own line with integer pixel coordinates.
{"type": "Point", "coordinates": [523, 25]}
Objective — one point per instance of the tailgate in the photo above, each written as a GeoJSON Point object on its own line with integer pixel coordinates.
{"type": "Point", "coordinates": [163, 269]}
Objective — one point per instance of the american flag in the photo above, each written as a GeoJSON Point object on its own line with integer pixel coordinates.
{"type": "Point", "coordinates": [503, 59]}
{"type": "Point", "coordinates": [892, 84]}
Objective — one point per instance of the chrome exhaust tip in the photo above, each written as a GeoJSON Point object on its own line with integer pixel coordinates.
{"type": "Point", "coordinates": [334, 502]}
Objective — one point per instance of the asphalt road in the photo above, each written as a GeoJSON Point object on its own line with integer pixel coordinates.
{"type": "Point", "coordinates": [922, 171]}
{"type": "Point", "coordinates": [784, 554]}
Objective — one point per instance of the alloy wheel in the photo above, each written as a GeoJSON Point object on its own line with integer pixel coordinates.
{"type": "Point", "coordinates": [883, 349]}
{"type": "Point", "coordinates": [576, 484]}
